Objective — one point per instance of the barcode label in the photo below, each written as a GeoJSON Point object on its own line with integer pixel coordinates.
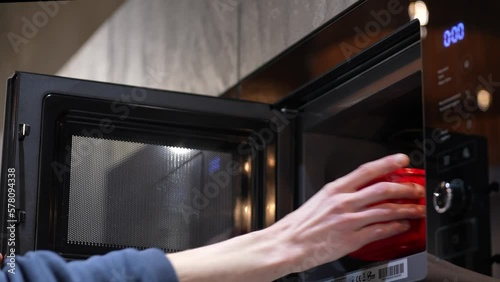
{"type": "Point", "coordinates": [392, 271]}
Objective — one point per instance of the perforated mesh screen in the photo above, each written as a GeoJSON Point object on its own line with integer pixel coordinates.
{"type": "Point", "coordinates": [130, 194]}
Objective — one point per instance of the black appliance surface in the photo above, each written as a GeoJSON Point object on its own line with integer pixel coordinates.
{"type": "Point", "coordinates": [101, 167]}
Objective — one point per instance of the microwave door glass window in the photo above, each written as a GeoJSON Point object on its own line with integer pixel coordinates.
{"type": "Point", "coordinates": [131, 194]}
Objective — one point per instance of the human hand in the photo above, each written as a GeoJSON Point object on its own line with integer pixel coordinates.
{"type": "Point", "coordinates": [340, 218]}
{"type": "Point", "coordinates": [336, 221]}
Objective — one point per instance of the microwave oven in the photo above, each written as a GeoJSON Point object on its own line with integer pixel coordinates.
{"type": "Point", "coordinates": [99, 166]}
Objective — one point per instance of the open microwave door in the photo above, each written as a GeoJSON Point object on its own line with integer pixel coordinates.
{"type": "Point", "coordinates": [99, 167]}
{"type": "Point", "coordinates": [365, 109]}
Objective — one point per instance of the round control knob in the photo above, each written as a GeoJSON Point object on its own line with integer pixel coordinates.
{"type": "Point", "coordinates": [450, 196]}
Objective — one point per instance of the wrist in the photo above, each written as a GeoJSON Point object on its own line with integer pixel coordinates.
{"type": "Point", "coordinates": [257, 256]}
{"type": "Point", "coordinates": [282, 254]}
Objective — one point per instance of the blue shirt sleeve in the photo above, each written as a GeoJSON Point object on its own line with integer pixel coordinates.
{"type": "Point", "coordinates": [121, 265]}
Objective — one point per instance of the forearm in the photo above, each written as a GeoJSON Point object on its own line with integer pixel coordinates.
{"type": "Point", "coordinates": [256, 256]}
{"type": "Point", "coordinates": [129, 264]}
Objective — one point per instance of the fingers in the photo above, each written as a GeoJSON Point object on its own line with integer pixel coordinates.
{"type": "Point", "coordinates": [368, 172]}
{"type": "Point", "coordinates": [387, 212]}
{"type": "Point", "coordinates": [381, 231]}
{"type": "Point", "coordinates": [386, 191]}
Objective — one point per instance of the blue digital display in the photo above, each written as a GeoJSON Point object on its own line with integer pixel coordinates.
{"type": "Point", "coordinates": [454, 35]}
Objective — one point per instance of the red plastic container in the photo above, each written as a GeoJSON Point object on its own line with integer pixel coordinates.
{"type": "Point", "coordinates": [408, 243]}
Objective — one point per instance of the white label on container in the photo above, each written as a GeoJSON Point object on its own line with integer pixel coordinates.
{"type": "Point", "coordinates": [392, 271]}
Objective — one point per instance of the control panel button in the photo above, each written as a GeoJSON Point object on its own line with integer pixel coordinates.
{"type": "Point", "coordinates": [466, 153]}
{"type": "Point", "coordinates": [450, 196]}
{"type": "Point", "coordinates": [446, 160]}
{"type": "Point", "coordinates": [457, 156]}
{"type": "Point", "coordinates": [442, 197]}
{"type": "Point", "coordinates": [457, 239]}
